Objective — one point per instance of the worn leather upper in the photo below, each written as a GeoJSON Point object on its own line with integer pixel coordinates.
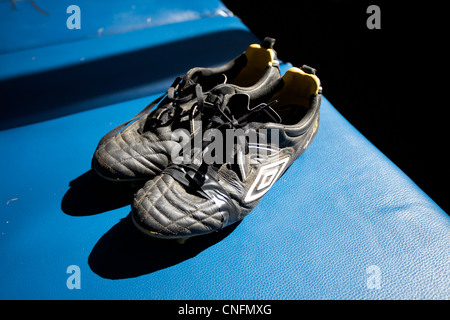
{"type": "Point", "coordinates": [179, 204]}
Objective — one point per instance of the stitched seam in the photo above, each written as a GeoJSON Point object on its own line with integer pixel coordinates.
{"type": "Point", "coordinates": [147, 164]}
{"type": "Point", "coordinates": [196, 220]}
{"type": "Point", "coordinates": [139, 202]}
{"type": "Point", "coordinates": [164, 214]}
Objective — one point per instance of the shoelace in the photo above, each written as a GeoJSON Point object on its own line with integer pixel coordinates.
{"type": "Point", "coordinates": [203, 179]}
{"type": "Point", "coordinates": [173, 96]}
{"type": "Point", "coordinates": [165, 113]}
{"type": "Point", "coordinates": [225, 119]}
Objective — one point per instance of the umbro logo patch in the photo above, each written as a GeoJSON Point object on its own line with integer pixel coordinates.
{"type": "Point", "coordinates": [267, 175]}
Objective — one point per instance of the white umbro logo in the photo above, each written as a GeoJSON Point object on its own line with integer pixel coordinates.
{"type": "Point", "coordinates": [267, 175]}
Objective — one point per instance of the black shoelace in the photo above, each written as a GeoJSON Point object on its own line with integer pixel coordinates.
{"type": "Point", "coordinates": [225, 119]}
{"type": "Point", "coordinates": [175, 99]}
{"type": "Point", "coordinates": [198, 177]}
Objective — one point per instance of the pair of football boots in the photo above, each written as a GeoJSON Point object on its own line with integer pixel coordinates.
{"type": "Point", "coordinates": [214, 143]}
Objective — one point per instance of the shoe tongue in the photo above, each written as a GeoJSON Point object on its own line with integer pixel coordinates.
{"type": "Point", "coordinates": [212, 81]}
{"type": "Point", "coordinates": [205, 78]}
{"type": "Point", "coordinates": [240, 107]}
{"type": "Point", "coordinates": [268, 114]}
{"type": "Point", "coordinates": [221, 90]}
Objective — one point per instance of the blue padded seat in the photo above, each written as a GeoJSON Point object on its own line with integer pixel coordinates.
{"type": "Point", "coordinates": [343, 222]}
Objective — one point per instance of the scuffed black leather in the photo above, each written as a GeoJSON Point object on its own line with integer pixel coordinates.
{"type": "Point", "coordinates": [131, 155]}
{"type": "Point", "coordinates": [204, 184]}
{"type": "Point", "coordinates": [169, 207]}
{"type": "Point", "coordinates": [164, 209]}
{"type": "Point", "coordinates": [138, 152]}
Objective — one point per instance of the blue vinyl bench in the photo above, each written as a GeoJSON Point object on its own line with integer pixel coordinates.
{"type": "Point", "coordinates": [343, 222]}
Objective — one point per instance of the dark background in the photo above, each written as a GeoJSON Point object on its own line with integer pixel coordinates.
{"type": "Point", "coordinates": [388, 83]}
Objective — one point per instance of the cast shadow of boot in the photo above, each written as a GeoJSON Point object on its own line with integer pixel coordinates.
{"type": "Point", "coordinates": [125, 252]}
{"type": "Point", "coordinates": [89, 194]}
